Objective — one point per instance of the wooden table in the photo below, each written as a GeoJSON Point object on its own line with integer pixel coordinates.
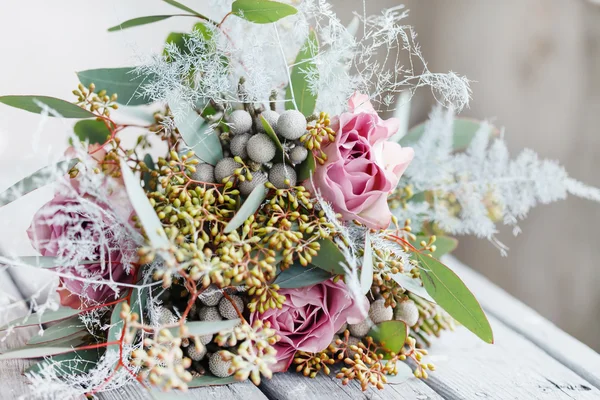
{"type": "Point", "coordinates": [531, 359]}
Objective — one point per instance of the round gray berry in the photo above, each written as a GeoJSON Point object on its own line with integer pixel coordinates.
{"type": "Point", "coordinates": [209, 314]}
{"type": "Point", "coordinates": [279, 173]}
{"type": "Point", "coordinates": [225, 168]}
{"type": "Point", "coordinates": [298, 154]}
{"type": "Point", "coordinates": [361, 329]}
{"type": "Point", "coordinates": [261, 148]}
{"type": "Point", "coordinates": [271, 117]}
{"type": "Point", "coordinates": [218, 367]}
{"type": "Point", "coordinates": [379, 312]}
{"type": "Point", "coordinates": [195, 353]}
{"type": "Point", "coordinates": [258, 179]}
{"type": "Point", "coordinates": [238, 145]}
{"type": "Point", "coordinates": [211, 296]}
{"type": "Point", "coordinates": [165, 316]}
{"type": "Point", "coordinates": [291, 125]}
{"type": "Point", "coordinates": [206, 339]}
{"type": "Point", "coordinates": [227, 310]}
{"type": "Point", "coordinates": [240, 122]}
{"type": "Point", "coordinates": [407, 312]}
{"type": "Point", "coordinates": [204, 173]}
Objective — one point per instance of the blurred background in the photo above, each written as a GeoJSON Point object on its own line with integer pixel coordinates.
{"type": "Point", "coordinates": [536, 71]}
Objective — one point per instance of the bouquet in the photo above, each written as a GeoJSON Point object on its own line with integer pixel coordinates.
{"type": "Point", "coordinates": [261, 214]}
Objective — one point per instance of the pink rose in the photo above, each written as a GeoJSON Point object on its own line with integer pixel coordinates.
{"type": "Point", "coordinates": [362, 167]}
{"type": "Point", "coordinates": [68, 227]}
{"type": "Point", "coordinates": [310, 317]}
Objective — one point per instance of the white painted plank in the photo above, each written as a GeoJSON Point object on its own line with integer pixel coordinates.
{"type": "Point", "coordinates": [520, 318]}
{"type": "Point", "coordinates": [293, 386]}
{"type": "Point", "coordinates": [511, 368]}
{"type": "Point", "coordinates": [12, 382]}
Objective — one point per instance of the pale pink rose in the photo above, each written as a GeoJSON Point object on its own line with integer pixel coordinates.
{"type": "Point", "coordinates": [66, 219]}
{"type": "Point", "coordinates": [362, 167]}
{"type": "Point", "coordinates": [309, 318]}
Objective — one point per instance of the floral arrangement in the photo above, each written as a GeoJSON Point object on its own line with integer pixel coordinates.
{"type": "Point", "coordinates": [262, 215]}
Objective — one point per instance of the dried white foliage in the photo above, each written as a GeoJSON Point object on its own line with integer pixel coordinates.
{"type": "Point", "coordinates": [467, 185]}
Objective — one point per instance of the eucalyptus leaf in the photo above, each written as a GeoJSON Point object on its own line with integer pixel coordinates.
{"type": "Point", "coordinates": [330, 258]}
{"type": "Point", "coordinates": [92, 131]}
{"type": "Point", "coordinates": [35, 181]}
{"type": "Point", "coordinates": [261, 11]}
{"type": "Point", "coordinates": [183, 7]}
{"type": "Point", "coordinates": [412, 285]}
{"type": "Point", "coordinates": [297, 276]}
{"type": "Point", "coordinates": [124, 81]}
{"type": "Point", "coordinates": [147, 176]}
{"type": "Point", "coordinates": [271, 133]}
{"type": "Point", "coordinates": [306, 168]}
{"type": "Point", "coordinates": [454, 297]}
{"type": "Point", "coordinates": [248, 208]}
{"type": "Point", "coordinates": [201, 328]}
{"type": "Point", "coordinates": [62, 330]}
{"type": "Point", "coordinates": [31, 104]}
{"type": "Point", "coordinates": [39, 319]}
{"type": "Point", "coordinates": [405, 373]}
{"type": "Point", "coordinates": [116, 327]}
{"type": "Point", "coordinates": [201, 139]}
{"type": "Point", "coordinates": [45, 261]}
{"type": "Point", "coordinates": [443, 244]}
{"type": "Point", "coordinates": [391, 335]}
{"type": "Point", "coordinates": [144, 210]}
{"type": "Point", "coordinates": [464, 132]}
{"type": "Point", "coordinates": [366, 271]}
{"type": "Point", "coordinates": [73, 363]}
{"type": "Point", "coordinates": [42, 350]}
{"type": "Point", "coordinates": [139, 21]}
{"type": "Point", "coordinates": [299, 89]}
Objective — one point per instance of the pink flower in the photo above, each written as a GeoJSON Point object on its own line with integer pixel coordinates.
{"type": "Point", "coordinates": [310, 317]}
{"type": "Point", "coordinates": [67, 226]}
{"type": "Point", "coordinates": [362, 167]}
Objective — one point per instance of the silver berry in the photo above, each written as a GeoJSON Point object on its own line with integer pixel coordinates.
{"type": "Point", "coordinates": [258, 179]}
{"type": "Point", "coordinates": [209, 314]}
{"type": "Point", "coordinates": [298, 154]}
{"type": "Point", "coordinates": [240, 122]}
{"type": "Point", "coordinates": [204, 173]}
{"type": "Point", "coordinates": [378, 312]}
{"type": "Point", "coordinates": [225, 168]}
{"type": "Point", "coordinates": [261, 148]}
{"type": "Point", "coordinates": [361, 329]}
{"type": "Point", "coordinates": [227, 310]}
{"type": "Point", "coordinates": [206, 339]}
{"type": "Point", "coordinates": [165, 316]}
{"type": "Point", "coordinates": [196, 354]}
{"type": "Point", "coordinates": [211, 296]}
{"type": "Point", "coordinates": [218, 367]}
{"type": "Point", "coordinates": [279, 173]}
{"type": "Point", "coordinates": [271, 117]}
{"type": "Point", "coordinates": [238, 145]}
{"type": "Point", "coordinates": [291, 125]}
{"type": "Point", "coordinates": [407, 312]}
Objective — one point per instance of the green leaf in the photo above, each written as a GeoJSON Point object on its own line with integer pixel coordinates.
{"type": "Point", "coordinates": [330, 258]}
{"type": "Point", "coordinates": [297, 276]}
{"type": "Point", "coordinates": [30, 103]}
{"type": "Point", "coordinates": [73, 363]}
{"type": "Point", "coordinates": [146, 176]}
{"type": "Point", "coordinates": [130, 23]}
{"type": "Point", "coordinates": [44, 261]}
{"type": "Point", "coordinates": [443, 244]}
{"type": "Point", "coordinates": [454, 297]}
{"type": "Point", "coordinates": [305, 100]}
{"type": "Point", "coordinates": [202, 140]}
{"type": "Point", "coordinates": [36, 180]}
{"type": "Point", "coordinates": [116, 327]}
{"type": "Point", "coordinates": [271, 133]}
{"type": "Point", "coordinates": [248, 208]}
{"type": "Point", "coordinates": [125, 82]}
{"type": "Point", "coordinates": [464, 132]}
{"type": "Point", "coordinates": [366, 271]}
{"type": "Point", "coordinates": [144, 210]}
{"type": "Point", "coordinates": [390, 334]}
{"type": "Point", "coordinates": [201, 328]}
{"type": "Point", "coordinates": [404, 373]}
{"type": "Point", "coordinates": [62, 330]}
{"type": "Point", "coordinates": [261, 11]}
{"type": "Point", "coordinates": [306, 168]}
{"type": "Point", "coordinates": [41, 350]}
{"type": "Point", "coordinates": [47, 316]}
{"type": "Point", "coordinates": [412, 285]}
{"type": "Point", "coordinates": [183, 7]}
{"type": "Point", "coordinates": [91, 130]}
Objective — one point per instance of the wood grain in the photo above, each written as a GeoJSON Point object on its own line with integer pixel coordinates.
{"type": "Point", "coordinates": [517, 316]}
{"type": "Point", "coordinates": [12, 382]}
